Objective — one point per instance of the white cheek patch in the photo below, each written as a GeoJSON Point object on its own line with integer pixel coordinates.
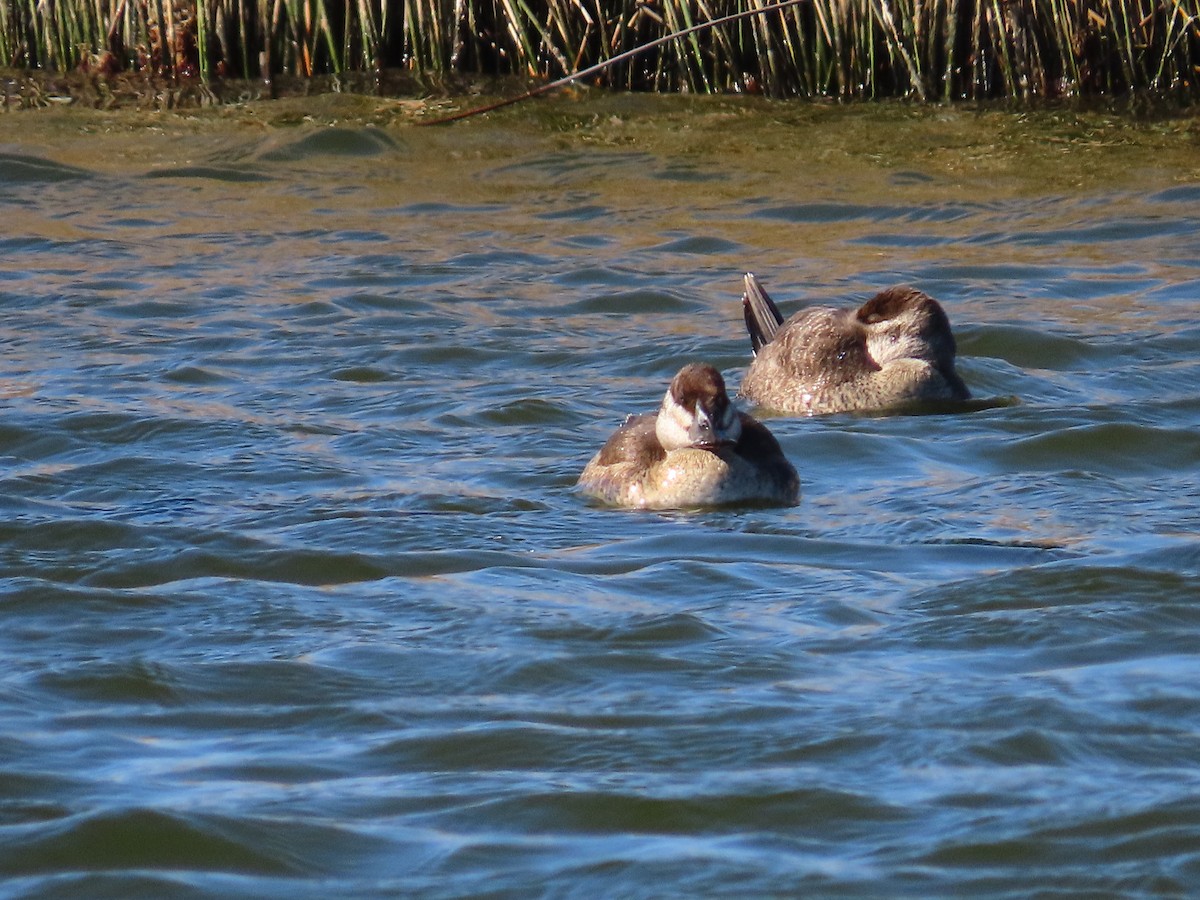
{"type": "Point", "coordinates": [889, 346]}
{"type": "Point", "coordinates": [671, 426]}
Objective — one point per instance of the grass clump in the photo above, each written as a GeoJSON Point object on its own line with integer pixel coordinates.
{"type": "Point", "coordinates": [925, 49]}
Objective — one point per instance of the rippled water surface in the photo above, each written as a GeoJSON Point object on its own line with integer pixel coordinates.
{"type": "Point", "coordinates": [298, 599]}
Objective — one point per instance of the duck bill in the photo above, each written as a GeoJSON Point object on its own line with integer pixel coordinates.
{"type": "Point", "coordinates": [702, 435]}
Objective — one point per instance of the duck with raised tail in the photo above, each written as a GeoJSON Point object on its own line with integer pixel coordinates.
{"type": "Point", "coordinates": [895, 350]}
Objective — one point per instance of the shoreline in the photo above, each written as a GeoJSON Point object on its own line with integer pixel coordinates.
{"type": "Point", "coordinates": [742, 142]}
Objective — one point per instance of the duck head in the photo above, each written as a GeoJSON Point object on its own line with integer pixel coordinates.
{"type": "Point", "coordinates": [696, 411]}
{"type": "Point", "coordinates": [904, 323]}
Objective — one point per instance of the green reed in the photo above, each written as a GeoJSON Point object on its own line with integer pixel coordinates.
{"type": "Point", "coordinates": [926, 49]}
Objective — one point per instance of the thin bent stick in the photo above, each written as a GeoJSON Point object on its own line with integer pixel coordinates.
{"type": "Point", "coordinates": [591, 70]}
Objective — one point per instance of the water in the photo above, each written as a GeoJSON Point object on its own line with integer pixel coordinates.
{"type": "Point", "coordinates": [298, 599]}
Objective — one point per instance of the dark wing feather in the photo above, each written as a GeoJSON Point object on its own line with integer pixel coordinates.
{"type": "Point", "coordinates": [761, 314]}
{"type": "Point", "coordinates": [757, 443]}
{"type": "Point", "coordinates": [634, 440]}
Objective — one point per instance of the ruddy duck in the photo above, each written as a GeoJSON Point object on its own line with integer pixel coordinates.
{"type": "Point", "coordinates": [895, 349]}
{"type": "Point", "coordinates": [697, 450]}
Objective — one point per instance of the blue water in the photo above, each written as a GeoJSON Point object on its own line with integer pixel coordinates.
{"type": "Point", "coordinates": [297, 598]}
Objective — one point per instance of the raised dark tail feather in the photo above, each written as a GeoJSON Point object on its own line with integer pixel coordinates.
{"type": "Point", "coordinates": [762, 315]}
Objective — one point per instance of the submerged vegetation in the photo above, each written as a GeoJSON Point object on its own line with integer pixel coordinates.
{"type": "Point", "coordinates": [927, 49]}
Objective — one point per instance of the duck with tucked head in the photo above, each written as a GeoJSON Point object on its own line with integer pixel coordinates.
{"type": "Point", "coordinates": [896, 349]}
{"type": "Point", "coordinates": [697, 450]}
